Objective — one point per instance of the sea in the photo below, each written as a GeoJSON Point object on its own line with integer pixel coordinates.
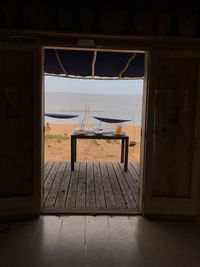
{"type": "Point", "coordinates": [128, 107]}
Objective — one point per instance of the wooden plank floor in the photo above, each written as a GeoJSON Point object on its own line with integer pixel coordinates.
{"type": "Point", "coordinates": [92, 187]}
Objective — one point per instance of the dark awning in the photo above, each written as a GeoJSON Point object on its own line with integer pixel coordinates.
{"type": "Point", "coordinates": [94, 64]}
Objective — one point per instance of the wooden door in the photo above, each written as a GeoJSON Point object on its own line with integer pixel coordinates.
{"type": "Point", "coordinates": [20, 132]}
{"type": "Point", "coordinates": [171, 170]}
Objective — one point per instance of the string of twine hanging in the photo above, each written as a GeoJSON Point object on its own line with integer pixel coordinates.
{"type": "Point", "coordinates": [133, 142]}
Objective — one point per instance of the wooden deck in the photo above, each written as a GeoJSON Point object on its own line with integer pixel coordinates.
{"type": "Point", "coordinates": [91, 188]}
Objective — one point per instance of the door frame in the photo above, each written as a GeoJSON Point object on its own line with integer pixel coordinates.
{"type": "Point", "coordinates": [144, 110]}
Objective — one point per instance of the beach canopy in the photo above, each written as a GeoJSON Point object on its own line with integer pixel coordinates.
{"type": "Point", "coordinates": [110, 120]}
{"type": "Point", "coordinates": [93, 64]}
{"type": "Point", "coordinates": [60, 116]}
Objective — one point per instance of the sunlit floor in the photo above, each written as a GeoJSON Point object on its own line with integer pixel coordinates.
{"type": "Point", "coordinates": [118, 241]}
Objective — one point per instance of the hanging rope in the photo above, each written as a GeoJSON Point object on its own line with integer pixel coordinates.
{"type": "Point", "coordinates": [93, 64]}
{"type": "Point", "coordinates": [60, 63]}
{"type": "Point", "coordinates": [133, 142]}
{"type": "Point", "coordinates": [127, 65]}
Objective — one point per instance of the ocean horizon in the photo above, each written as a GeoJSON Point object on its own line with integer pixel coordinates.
{"type": "Point", "coordinates": [127, 107]}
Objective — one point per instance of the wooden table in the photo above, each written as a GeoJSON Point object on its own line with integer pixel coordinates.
{"type": "Point", "coordinates": [124, 145]}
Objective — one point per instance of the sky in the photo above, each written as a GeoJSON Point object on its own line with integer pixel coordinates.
{"type": "Point", "coordinates": [79, 86]}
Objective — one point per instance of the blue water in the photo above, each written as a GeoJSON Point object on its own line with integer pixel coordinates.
{"type": "Point", "coordinates": [113, 106]}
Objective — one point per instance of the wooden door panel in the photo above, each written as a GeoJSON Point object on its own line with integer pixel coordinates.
{"type": "Point", "coordinates": [16, 103]}
{"type": "Point", "coordinates": [174, 128]}
{"type": "Point", "coordinates": [170, 176]}
{"type": "Point", "coordinates": [19, 163]}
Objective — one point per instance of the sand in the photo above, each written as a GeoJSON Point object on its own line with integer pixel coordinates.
{"type": "Point", "coordinates": [90, 150]}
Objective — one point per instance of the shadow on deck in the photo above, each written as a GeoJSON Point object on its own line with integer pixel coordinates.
{"type": "Point", "coordinates": [92, 188]}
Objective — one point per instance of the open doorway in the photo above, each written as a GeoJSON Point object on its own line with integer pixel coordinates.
{"type": "Point", "coordinates": [88, 97]}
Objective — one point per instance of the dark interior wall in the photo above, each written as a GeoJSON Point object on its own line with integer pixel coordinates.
{"type": "Point", "coordinates": [136, 21]}
{"type": "Point", "coordinates": [139, 18]}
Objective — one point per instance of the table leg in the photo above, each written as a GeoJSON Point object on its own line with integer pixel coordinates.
{"type": "Point", "coordinates": [122, 151]}
{"type": "Point", "coordinates": [72, 153]}
{"type": "Point", "coordinates": [75, 149]}
{"type": "Point", "coordinates": [126, 155]}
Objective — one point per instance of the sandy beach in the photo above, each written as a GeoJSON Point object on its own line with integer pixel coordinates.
{"type": "Point", "coordinates": [57, 145]}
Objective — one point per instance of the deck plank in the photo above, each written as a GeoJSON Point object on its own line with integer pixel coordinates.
{"type": "Point", "coordinates": [51, 198]}
{"type": "Point", "coordinates": [116, 187]}
{"type": "Point", "coordinates": [135, 175]}
{"type": "Point", "coordinates": [110, 200]}
{"type": "Point", "coordinates": [72, 192]}
{"type": "Point", "coordinates": [64, 186]}
{"type": "Point", "coordinates": [90, 191]}
{"type": "Point", "coordinates": [47, 169]}
{"type": "Point", "coordinates": [131, 184]}
{"type": "Point", "coordinates": [45, 163]}
{"type": "Point", "coordinates": [124, 187]}
{"type": "Point", "coordinates": [49, 181]}
{"type": "Point", "coordinates": [81, 193]}
{"type": "Point", "coordinates": [100, 197]}
{"type": "Point", "coordinates": [136, 167]}
{"type": "Point", "coordinates": [92, 186]}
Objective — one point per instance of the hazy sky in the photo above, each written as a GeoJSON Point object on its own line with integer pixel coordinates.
{"type": "Point", "coordinates": [119, 87]}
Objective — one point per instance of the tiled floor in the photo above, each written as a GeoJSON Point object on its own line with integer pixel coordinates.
{"type": "Point", "coordinates": [105, 241]}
